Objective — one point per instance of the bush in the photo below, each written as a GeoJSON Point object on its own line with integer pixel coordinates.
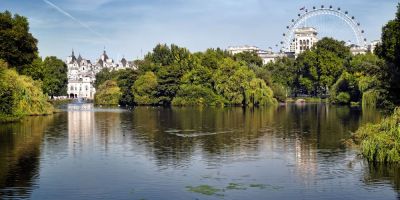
{"type": "Point", "coordinates": [197, 95]}
{"type": "Point", "coordinates": [381, 142]}
{"type": "Point", "coordinates": [343, 98]}
{"type": "Point", "coordinates": [20, 96]}
{"type": "Point", "coordinates": [108, 93]}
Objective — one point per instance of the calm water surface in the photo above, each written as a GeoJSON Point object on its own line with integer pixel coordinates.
{"type": "Point", "coordinates": [289, 152]}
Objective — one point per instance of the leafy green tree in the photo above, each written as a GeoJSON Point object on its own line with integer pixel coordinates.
{"type": "Point", "coordinates": [20, 95]}
{"type": "Point", "coordinates": [18, 47]}
{"type": "Point", "coordinates": [231, 80]}
{"type": "Point", "coordinates": [389, 50]}
{"type": "Point", "coordinates": [145, 89]}
{"type": "Point", "coordinates": [259, 94]}
{"type": "Point", "coordinates": [125, 80]}
{"type": "Point", "coordinates": [108, 93]}
{"type": "Point", "coordinates": [250, 58]}
{"type": "Point", "coordinates": [348, 84]}
{"type": "Point", "coordinates": [55, 78]}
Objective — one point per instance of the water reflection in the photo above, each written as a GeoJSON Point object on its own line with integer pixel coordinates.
{"type": "Point", "coordinates": [20, 155]}
{"type": "Point", "coordinates": [159, 150]}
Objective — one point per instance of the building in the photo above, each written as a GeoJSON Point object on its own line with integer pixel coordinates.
{"type": "Point", "coordinates": [270, 56]}
{"type": "Point", "coordinates": [304, 39]}
{"type": "Point", "coordinates": [266, 55]}
{"type": "Point", "coordinates": [240, 49]}
{"type": "Point", "coordinates": [371, 47]}
{"type": "Point", "coordinates": [82, 73]}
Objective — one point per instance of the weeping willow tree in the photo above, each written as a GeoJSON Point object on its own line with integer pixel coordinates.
{"type": "Point", "coordinates": [370, 99]}
{"type": "Point", "coordinates": [20, 96]}
{"type": "Point", "coordinates": [259, 94]}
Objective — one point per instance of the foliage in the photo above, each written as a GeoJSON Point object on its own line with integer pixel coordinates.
{"type": "Point", "coordinates": [381, 142]}
{"type": "Point", "coordinates": [108, 93]}
{"type": "Point", "coordinates": [125, 79]}
{"type": "Point", "coordinates": [319, 68]}
{"type": "Point", "coordinates": [343, 98]}
{"type": "Point", "coordinates": [389, 50]}
{"type": "Point", "coordinates": [249, 58]}
{"type": "Point", "coordinates": [52, 72]}
{"type": "Point", "coordinates": [145, 89]}
{"type": "Point", "coordinates": [18, 47]}
{"type": "Point", "coordinates": [20, 95]}
{"type": "Point", "coordinates": [259, 94]}
{"type": "Point", "coordinates": [345, 90]}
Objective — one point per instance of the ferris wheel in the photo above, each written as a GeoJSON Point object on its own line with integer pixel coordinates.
{"type": "Point", "coordinates": [315, 12]}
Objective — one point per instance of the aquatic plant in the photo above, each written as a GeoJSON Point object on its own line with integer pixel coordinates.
{"type": "Point", "coordinates": [381, 142]}
{"type": "Point", "coordinates": [204, 189]}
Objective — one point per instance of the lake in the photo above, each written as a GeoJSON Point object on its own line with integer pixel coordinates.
{"type": "Point", "coordinates": [288, 152]}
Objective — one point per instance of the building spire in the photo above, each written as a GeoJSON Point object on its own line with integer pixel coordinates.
{"type": "Point", "coordinates": [73, 52]}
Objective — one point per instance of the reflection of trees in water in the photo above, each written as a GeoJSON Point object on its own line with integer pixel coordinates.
{"type": "Point", "coordinates": [19, 155]}
{"type": "Point", "coordinates": [233, 132]}
{"type": "Point", "coordinates": [378, 173]}
{"type": "Point", "coordinates": [174, 134]}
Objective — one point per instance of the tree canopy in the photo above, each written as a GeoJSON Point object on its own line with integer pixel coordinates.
{"type": "Point", "coordinates": [18, 47]}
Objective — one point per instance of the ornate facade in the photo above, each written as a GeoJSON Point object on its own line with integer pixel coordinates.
{"type": "Point", "coordinates": [82, 73]}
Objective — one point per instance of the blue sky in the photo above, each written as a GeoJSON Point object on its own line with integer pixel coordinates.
{"type": "Point", "coordinates": [131, 28]}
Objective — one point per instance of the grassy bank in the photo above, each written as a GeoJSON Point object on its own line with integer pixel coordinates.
{"type": "Point", "coordinates": [381, 142]}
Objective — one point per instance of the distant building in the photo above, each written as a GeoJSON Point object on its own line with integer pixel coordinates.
{"type": "Point", "coordinates": [82, 73]}
{"type": "Point", "coordinates": [304, 39]}
{"type": "Point", "coordinates": [266, 56]}
{"type": "Point", "coordinates": [240, 49]}
{"type": "Point", "coordinates": [270, 56]}
{"type": "Point", "coordinates": [371, 47]}
{"type": "Point", "coordinates": [357, 50]}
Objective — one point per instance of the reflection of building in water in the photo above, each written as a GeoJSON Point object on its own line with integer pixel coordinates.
{"type": "Point", "coordinates": [80, 125]}
{"type": "Point", "coordinates": [306, 159]}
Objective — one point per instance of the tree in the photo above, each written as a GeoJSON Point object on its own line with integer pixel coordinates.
{"type": "Point", "coordinates": [145, 89]}
{"type": "Point", "coordinates": [55, 78]}
{"type": "Point", "coordinates": [108, 93]}
{"type": "Point", "coordinates": [125, 80]}
{"type": "Point", "coordinates": [389, 50]}
{"type": "Point", "coordinates": [250, 58]}
{"type": "Point", "coordinates": [259, 94]}
{"type": "Point", "coordinates": [18, 47]}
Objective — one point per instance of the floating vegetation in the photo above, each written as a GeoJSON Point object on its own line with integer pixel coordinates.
{"type": "Point", "coordinates": [257, 185]}
{"type": "Point", "coordinates": [265, 186]}
{"type": "Point", "coordinates": [236, 186]}
{"type": "Point", "coordinates": [204, 189]}
{"type": "Point", "coordinates": [213, 191]}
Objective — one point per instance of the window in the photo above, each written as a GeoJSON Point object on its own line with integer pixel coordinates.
{"type": "Point", "coordinates": [72, 87]}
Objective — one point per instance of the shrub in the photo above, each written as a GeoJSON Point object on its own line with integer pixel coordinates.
{"type": "Point", "coordinates": [108, 93]}
{"type": "Point", "coordinates": [343, 98]}
{"type": "Point", "coordinates": [381, 142]}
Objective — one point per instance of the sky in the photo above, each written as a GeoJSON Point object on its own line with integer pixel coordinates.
{"type": "Point", "coordinates": [131, 28]}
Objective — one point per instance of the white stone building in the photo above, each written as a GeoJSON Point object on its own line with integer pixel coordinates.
{"type": "Point", "coordinates": [82, 73]}
{"type": "Point", "coordinates": [266, 55]}
{"type": "Point", "coordinates": [304, 39]}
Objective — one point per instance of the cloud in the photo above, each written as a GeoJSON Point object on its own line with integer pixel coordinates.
{"type": "Point", "coordinates": [76, 20]}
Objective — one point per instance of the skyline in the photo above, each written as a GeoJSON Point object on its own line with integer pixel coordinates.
{"type": "Point", "coordinates": [132, 28]}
